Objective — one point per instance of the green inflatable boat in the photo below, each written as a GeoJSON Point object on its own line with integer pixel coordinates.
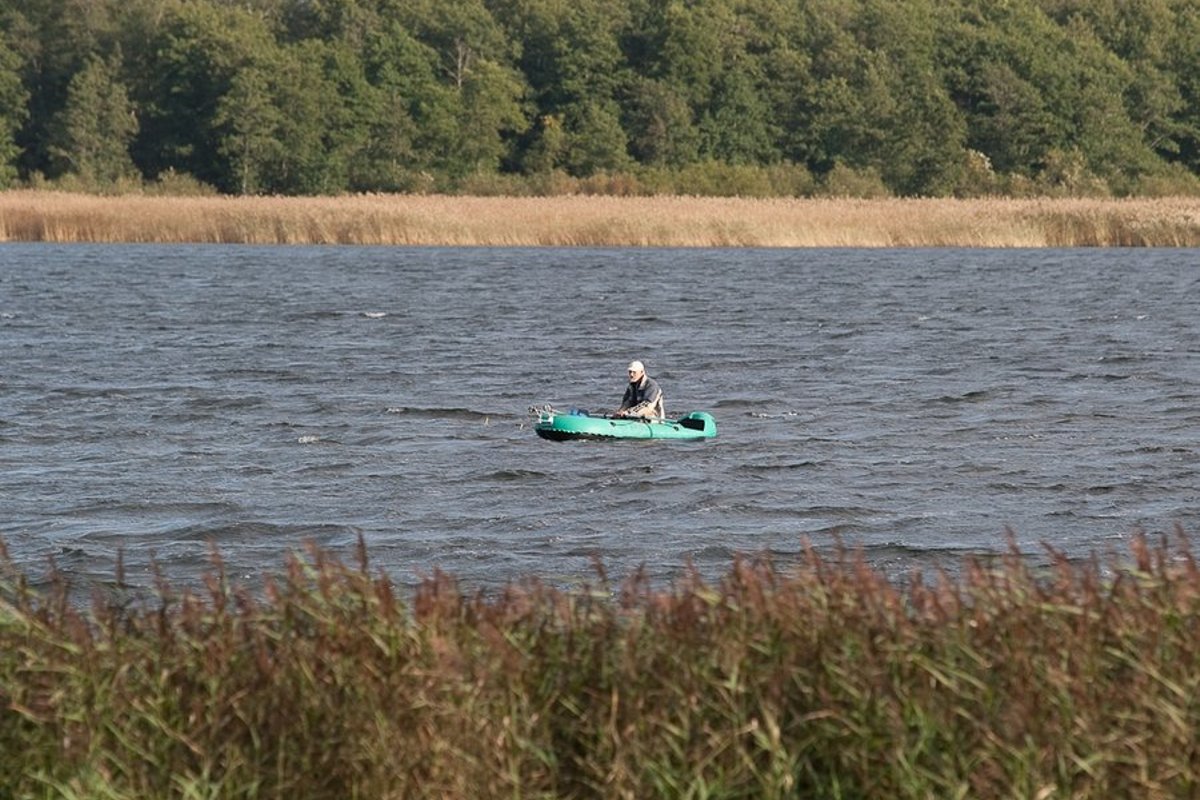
{"type": "Point", "coordinates": [561, 426]}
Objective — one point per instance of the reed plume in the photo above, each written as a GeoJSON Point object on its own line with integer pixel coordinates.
{"type": "Point", "coordinates": [579, 220]}
{"type": "Point", "coordinates": [819, 679]}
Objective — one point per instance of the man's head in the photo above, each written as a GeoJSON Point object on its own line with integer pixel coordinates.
{"type": "Point", "coordinates": [636, 370]}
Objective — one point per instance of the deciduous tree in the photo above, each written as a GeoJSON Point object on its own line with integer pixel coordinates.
{"type": "Point", "coordinates": [13, 110]}
{"type": "Point", "coordinates": [92, 134]}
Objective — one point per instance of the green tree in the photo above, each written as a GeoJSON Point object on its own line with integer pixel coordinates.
{"type": "Point", "coordinates": [839, 109]}
{"type": "Point", "coordinates": [13, 109]}
{"type": "Point", "coordinates": [1006, 81]}
{"type": "Point", "coordinates": [569, 49]}
{"type": "Point", "coordinates": [660, 125]}
{"type": "Point", "coordinates": [461, 34]}
{"type": "Point", "coordinates": [410, 111]}
{"type": "Point", "coordinates": [349, 21]}
{"type": "Point", "coordinates": [92, 134]}
{"type": "Point", "coordinates": [695, 47]}
{"type": "Point", "coordinates": [292, 126]}
{"type": "Point", "coordinates": [1013, 125]}
{"type": "Point", "coordinates": [54, 39]}
{"type": "Point", "coordinates": [571, 58]}
{"type": "Point", "coordinates": [308, 96]}
{"type": "Point", "coordinates": [345, 106]}
{"type": "Point", "coordinates": [595, 140]}
{"type": "Point", "coordinates": [782, 41]}
{"type": "Point", "coordinates": [1183, 60]}
{"type": "Point", "coordinates": [197, 51]}
{"type": "Point", "coordinates": [478, 113]}
{"type": "Point", "coordinates": [922, 150]}
{"type": "Point", "coordinates": [737, 127]}
{"type": "Point", "coordinates": [249, 122]}
{"type": "Point", "coordinates": [1114, 147]}
{"type": "Point", "coordinates": [490, 115]}
{"type": "Point", "coordinates": [731, 64]}
{"type": "Point", "coordinates": [547, 142]}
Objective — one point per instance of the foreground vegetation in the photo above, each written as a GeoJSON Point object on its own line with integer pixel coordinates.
{"type": "Point", "coordinates": [928, 98]}
{"type": "Point", "coordinates": [823, 680]}
{"type": "Point", "coordinates": [601, 221]}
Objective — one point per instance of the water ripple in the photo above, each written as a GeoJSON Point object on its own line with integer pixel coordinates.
{"type": "Point", "coordinates": [916, 405]}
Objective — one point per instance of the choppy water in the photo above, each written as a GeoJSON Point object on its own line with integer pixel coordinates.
{"type": "Point", "coordinates": [915, 403]}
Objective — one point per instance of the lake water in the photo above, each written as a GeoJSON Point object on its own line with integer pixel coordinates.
{"type": "Point", "coordinates": [917, 404]}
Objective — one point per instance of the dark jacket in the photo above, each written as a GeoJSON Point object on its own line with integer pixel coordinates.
{"type": "Point", "coordinates": [643, 394]}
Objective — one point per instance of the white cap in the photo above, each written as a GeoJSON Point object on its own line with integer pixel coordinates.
{"type": "Point", "coordinates": [637, 366]}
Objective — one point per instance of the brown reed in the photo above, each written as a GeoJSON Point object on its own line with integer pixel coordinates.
{"type": "Point", "coordinates": [823, 680]}
{"type": "Point", "coordinates": [579, 220]}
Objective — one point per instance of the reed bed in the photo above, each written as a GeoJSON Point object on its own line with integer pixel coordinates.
{"type": "Point", "coordinates": [822, 680]}
{"type": "Point", "coordinates": [579, 220]}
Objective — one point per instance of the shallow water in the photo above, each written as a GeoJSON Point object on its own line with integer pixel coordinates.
{"type": "Point", "coordinates": [158, 401]}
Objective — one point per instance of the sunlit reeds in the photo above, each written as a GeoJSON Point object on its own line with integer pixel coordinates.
{"type": "Point", "coordinates": [579, 220]}
{"type": "Point", "coordinates": [821, 680]}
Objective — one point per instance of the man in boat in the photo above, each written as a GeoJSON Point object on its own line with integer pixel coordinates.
{"type": "Point", "coordinates": [642, 397]}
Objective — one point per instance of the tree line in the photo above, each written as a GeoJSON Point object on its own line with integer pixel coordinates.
{"type": "Point", "coordinates": [788, 97]}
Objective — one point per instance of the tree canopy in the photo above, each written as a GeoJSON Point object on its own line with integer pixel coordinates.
{"type": "Point", "coordinates": [907, 97]}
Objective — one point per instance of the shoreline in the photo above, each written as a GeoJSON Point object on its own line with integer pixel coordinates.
{"type": "Point", "coordinates": [600, 221]}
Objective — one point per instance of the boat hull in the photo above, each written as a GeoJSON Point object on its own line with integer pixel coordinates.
{"type": "Point", "coordinates": [562, 426]}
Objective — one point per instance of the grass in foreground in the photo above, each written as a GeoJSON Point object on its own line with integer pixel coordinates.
{"type": "Point", "coordinates": [821, 681]}
{"type": "Point", "coordinates": [601, 221]}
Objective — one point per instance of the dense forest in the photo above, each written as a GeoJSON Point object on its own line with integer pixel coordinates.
{"type": "Point", "coordinates": [760, 97]}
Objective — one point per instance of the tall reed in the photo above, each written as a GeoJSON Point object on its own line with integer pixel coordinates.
{"type": "Point", "coordinates": [601, 221]}
{"type": "Point", "coordinates": [822, 680]}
